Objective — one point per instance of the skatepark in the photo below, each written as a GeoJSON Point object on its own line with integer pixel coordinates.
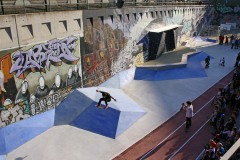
{"type": "Point", "coordinates": [150, 59]}
{"type": "Point", "coordinates": [78, 130]}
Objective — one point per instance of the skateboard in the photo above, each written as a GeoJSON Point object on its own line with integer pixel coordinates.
{"type": "Point", "coordinates": [102, 106]}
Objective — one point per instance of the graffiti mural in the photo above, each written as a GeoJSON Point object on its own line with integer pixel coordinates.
{"type": "Point", "coordinates": [120, 42]}
{"type": "Point", "coordinates": [36, 79]}
{"type": "Point", "coordinates": [102, 46]}
{"type": "Point", "coordinates": [226, 14]}
{"type": "Point", "coordinates": [43, 55]}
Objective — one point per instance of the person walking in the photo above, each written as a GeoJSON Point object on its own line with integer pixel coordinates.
{"type": "Point", "coordinates": [188, 107]}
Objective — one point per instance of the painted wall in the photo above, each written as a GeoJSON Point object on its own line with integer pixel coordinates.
{"type": "Point", "coordinates": [115, 40]}
{"type": "Point", "coordinates": [41, 65]}
{"type": "Point", "coordinates": [224, 14]}
{"type": "Point", "coordinates": [44, 56]}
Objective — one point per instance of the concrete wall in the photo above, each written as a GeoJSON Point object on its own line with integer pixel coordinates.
{"type": "Point", "coordinates": [226, 14]}
{"type": "Point", "coordinates": [114, 39]}
{"type": "Point", "coordinates": [44, 56]}
{"type": "Point", "coordinates": [40, 62]}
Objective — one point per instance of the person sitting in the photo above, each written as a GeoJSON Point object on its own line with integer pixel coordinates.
{"type": "Point", "coordinates": [105, 97]}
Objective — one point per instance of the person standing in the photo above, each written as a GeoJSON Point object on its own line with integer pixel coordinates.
{"type": "Point", "coordinates": [188, 107]}
{"type": "Point", "coordinates": [231, 38]}
{"type": "Point", "coordinates": [233, 43]}
{"type": "Point", "coordinates": [236, 43]}
{"type": "Point", "coordinates": [226, 40]}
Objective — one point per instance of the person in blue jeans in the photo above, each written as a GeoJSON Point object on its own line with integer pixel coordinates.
{"type": "Point", "coordinates": [106, 97]}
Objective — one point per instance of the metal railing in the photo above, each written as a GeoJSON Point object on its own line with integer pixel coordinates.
{"type": "Point", "coordinates": [32, 6]}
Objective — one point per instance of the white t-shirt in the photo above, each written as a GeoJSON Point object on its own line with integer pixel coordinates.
{"type": "Point", "coordinates": [189, 111]}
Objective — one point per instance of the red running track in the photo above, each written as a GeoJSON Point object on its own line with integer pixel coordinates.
{"type": "Point", "coordinates": [171, 141]}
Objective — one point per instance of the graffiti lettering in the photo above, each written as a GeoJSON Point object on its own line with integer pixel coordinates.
{"type": "Point", "coordinates": [43, 55]}
{"type": "Point", "coordinates": [224, 9]}
{"type": "Point", "coordinates": [14, 112]}
{"type": "Point", "coordinates": [48, 102]}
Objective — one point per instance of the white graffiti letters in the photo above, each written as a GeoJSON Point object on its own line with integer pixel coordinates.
{"type": "Point", "coordinates": [43, 55]}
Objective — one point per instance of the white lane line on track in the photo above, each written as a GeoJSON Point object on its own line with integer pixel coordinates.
{"type": "Point", "coordinates": [188, 140]}
{"type": "Point", "coordinates": [149, 152]}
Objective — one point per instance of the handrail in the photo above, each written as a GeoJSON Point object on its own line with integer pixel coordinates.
{"type": "Point", "coordinates": [82, 5]}
{"type": "Point", "coordinates": [231, 151]}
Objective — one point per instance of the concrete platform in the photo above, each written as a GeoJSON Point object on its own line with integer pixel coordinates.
{"type": "Point", "coordinates": [159, 98]}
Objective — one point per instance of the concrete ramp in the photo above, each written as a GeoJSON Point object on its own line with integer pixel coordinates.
{"type": "Point", "coordinates": [120, 79]}
{"type": "Point", "coordinates": [73, 105]}
{"type": "Point", "coordinates": [79, 110]}
{"type": "Point", "coordinates": [193, 69]}
{"type": "Point", "coordinates": [15, 135]}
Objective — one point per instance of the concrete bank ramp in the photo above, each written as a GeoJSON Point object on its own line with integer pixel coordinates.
{"type": "Point", "coordinates": [79, 110]}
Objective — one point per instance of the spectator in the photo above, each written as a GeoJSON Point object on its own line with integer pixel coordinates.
{"type": "Point", "coordinates": [231, 38]}
{"type": "Point", "coordinates": [189, 113]}
{"type": "Point", "coordinates": [237, 60]}
{"type": "Point", "coordinates": [236, 43]}
{"type": "Point", "coordinates": [233, 43]}
{"type": "Point", "coordinates": [226, 40]}
{"type": "Point", "coordinates": [219, 151]}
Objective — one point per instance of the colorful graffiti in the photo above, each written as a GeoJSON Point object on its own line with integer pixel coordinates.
{"type": "Point", "coordinates": [37, 78]}
{"type": "Point", "coordinates": [226, 9]}
{"type": "Point", "coordinates": [102, 46]}
{"type": "Point", "coordinates": [43, 55]}
{"type": "Point", "coordinates": [225, 14]}
{"type": "Point", "coordinates": [33, 89]}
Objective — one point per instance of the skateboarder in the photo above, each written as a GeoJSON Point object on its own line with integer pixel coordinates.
{"type": "Point", "coordinates": [105, 97]}
{"type": "Point", "coordinates": [207, 61]}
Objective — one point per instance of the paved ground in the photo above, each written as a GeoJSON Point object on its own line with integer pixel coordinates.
{"type": "Point", "coordinates": [160, 99]}
{"type": "Point", "coordinates": [171, 140]}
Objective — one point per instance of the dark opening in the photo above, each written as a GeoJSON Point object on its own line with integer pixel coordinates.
{"type": "Point", "coordinates": [170, 40]}
{"type": "Point", "coordinates": [154, 42]}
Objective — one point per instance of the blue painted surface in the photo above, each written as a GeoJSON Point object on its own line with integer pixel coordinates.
{"type": "Point", "coordinates": [75, 103]}
{"type": "Point", "coordinates": [2, 157]}
{"type": "Point", "coordinates": [99, 121]}
{"type": "Point", "coordinates": [19, 133]}
{"type": "Point", "coordinates": [126, 120]}
{"type": "Point", "coordinates": [194, 69]}
{"type": "Point", "coordinates": [211, 40]}
{"type": "Point", "coordinates": [2, 142]}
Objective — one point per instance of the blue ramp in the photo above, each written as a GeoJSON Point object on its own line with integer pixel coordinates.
{"type": "Point", "coordinates": [75, 103]}
{"type": "Point", "coordinates": [19, 133]}
{"type": "Point", "coordinates": [107, 122]}
{"type": "Point", "coordinates": [194, 69]}
{"type": "Point", "coordinates": [2, 142]}
{"type": "Point", "coordinates": [99, 121]}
